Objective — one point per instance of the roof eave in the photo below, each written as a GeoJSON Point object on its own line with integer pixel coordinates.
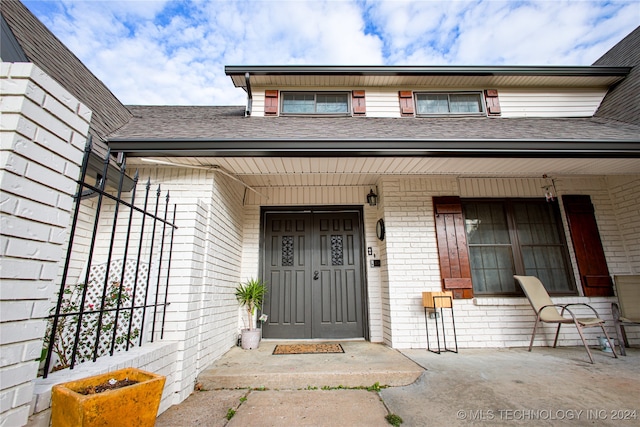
{"type": "Point", "coordinates": [498, 148]}
{"type": "Point", "coordinates": [590, 71]}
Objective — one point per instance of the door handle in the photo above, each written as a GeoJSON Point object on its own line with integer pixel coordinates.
{"type": "Point", "coordinates": [316, 275]}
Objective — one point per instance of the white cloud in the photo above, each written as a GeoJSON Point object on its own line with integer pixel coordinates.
{"type": "Point", "coordinates": [169, 52]}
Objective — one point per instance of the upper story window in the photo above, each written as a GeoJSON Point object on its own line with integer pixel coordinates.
{"type": "Point", "coordinates": [449, 103]}
{"type": "Point", "coordinates": [331, 103]}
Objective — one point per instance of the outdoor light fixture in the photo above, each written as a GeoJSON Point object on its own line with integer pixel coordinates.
{"type": "Point", "coordinates": [372, 198]}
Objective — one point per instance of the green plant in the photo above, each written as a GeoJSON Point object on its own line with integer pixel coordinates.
{"type": "Point", "coordinates": [394, 420]}
{"type": "Point", "coordinates": [250, 295]}
{"type": "Point", "coordinates": [115, 296]}
{"type": "Point", "coordinates": [230, 413]}
{"type": "Point", "coordinates": [376, 387]}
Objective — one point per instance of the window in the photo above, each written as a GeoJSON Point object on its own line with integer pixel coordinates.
{"type": "Point", "coordinates": [516, 236]}
{"type": "Point", "coordinates": [466, 103]}
{"type": "Point", "coordinates": [330, 103]}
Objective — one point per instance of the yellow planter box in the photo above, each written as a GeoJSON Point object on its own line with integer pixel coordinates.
{"type": "Point", "coordinates": [132, 405]}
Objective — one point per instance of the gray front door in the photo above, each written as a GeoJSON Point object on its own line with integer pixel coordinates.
{"type": "Point", "coordinates": [312, 263]}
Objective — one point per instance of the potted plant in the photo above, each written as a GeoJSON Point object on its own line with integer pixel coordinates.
{"type": "Point", "coordinates": [127, 396]}
{"type": "Point", "coordinates": [250, 295]}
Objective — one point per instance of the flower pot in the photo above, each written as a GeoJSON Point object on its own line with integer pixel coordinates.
{"type": "Point", "coordinates": [135, 405]}
{"type": "Point", "coordinates": [251, 339]}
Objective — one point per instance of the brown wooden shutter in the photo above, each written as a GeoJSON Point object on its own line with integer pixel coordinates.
{"type": "Point", "coordinates": [493, 103]}
{"type": "Point", "coordinates": [592, 264]}
{"type": "Point", "coordinates": [406, 103]}
{"type": "Point", "coordinates": [270, 102]}
{"type": "Point", "coordinates": [452, 246]}
{"type": "Point", "coordinates": [358, 103]}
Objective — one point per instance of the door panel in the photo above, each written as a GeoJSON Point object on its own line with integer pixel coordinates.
{"type": "Point", "coordinates": [288, 276]}
{"type": "Point", "coordinates": [314, 275]}
{"type": "Point", "coordinates": [339, 290]}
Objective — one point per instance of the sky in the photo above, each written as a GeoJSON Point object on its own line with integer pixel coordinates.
{"type": "Point", "coordinates": [174, 52]}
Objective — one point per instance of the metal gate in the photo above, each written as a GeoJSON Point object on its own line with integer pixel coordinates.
{"type": "Point", "coordinates": [113, 288]}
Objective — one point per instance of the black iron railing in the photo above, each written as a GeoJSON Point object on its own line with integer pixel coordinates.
{"type": "Point", "coordinates": [107, 305]}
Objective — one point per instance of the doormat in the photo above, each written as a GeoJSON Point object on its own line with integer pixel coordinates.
{"type": "Point", "coordinates": [307, 348]}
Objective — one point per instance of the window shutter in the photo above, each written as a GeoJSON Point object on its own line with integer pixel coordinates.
{"type": "Point", "coordinates": [452, 246]}
{"type": "Point", "coordinates": [592, 264]}
{"type": "Point", "coordinates": [270, 102]}
{"type": "Point", "coordinates": [406, 103]}
{"type": "Point", "coordinates": [358, 103]}
{"type": "Point", "coordinates": [493, 103]}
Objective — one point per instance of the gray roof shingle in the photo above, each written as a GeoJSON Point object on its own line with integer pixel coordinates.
{"type": "Point", "coordinates": [229, 123]}
{"type": "Point", "coordinates": [623, 101]}
{"type": "Point", "coordinates": [47, 52]}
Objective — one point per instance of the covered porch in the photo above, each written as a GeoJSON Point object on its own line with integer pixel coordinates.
{"type": "Point", "coordinates": [501, 386]}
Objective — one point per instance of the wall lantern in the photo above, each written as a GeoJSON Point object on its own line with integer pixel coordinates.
{"type": "Point", "coordinates": [372, 198]}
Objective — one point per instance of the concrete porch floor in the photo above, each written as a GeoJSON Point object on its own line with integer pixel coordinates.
{"type": "Point", "coordinates": [476, 386]}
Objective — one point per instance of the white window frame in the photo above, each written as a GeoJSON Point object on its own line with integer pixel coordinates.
{"type": "Point", "coordinates": [315, 94]}
{"type": "Point", "coordinates": [479, 94]}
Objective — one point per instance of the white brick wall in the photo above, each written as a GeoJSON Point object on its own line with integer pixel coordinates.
{"type": "Point", "coordinates": [296, 196]}
{"type": "Point", "coordinates": [625, 193]}
{"type": "Point", "coordinates": [411, 261]}
{"type": "Point", "coordinates": [43, 133]}
{"type": "Point", "coordinates": [206, 267]}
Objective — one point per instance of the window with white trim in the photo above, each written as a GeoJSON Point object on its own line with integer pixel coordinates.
{"type": "Point", "coordinates": [449, 103]}
{"type": "Point", "coordinates": [315, 103]}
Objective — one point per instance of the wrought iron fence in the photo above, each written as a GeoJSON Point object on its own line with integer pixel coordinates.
{"type": "Point", "coordinates": [114, 283]}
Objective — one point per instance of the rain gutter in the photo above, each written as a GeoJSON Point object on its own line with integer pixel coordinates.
{"type": "Point", "coordinates": [501, 148]}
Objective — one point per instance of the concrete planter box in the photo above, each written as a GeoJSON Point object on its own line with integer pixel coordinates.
{"type": "Point", "coordinates": [135, 404]}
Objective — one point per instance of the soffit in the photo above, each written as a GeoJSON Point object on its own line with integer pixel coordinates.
{"type": "Point", "coordinates": [427, 81]}
{"type": "Point", "coordinates": [349, 171]}
{"type": "Point", "coordinates": [426, 76]}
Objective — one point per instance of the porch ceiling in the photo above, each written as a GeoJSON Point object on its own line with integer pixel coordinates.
{"type": "Point", "coordinates": [349, 171]}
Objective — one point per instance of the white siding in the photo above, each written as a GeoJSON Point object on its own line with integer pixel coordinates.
{"type": "Point", "coordinates": [550, 102]}
{"type": "Point", "coordinates": [382, 103]}
{"type": "Point", "coordinates": [539, 102]}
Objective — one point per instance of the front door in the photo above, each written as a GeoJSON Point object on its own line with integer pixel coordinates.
{"type": "Point", "coordinates": [312, 263]}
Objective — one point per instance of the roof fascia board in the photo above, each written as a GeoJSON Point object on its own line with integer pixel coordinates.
{"type": "Point", "coordinates": [503, 148]}
{"type": "Point", "coordinates": [569, 71]}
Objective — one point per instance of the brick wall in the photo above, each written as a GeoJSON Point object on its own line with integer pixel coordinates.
{"type": "Point", "coordinates": [319, 195]}
{"type": "Point", "coordinates": [205, 268]}
{"type": "Point", "coordinates": [412, 267]}
{"type": "Point", "coordinates": [42, 141]}
{"type": "Point", "coordinates": [625, 193]}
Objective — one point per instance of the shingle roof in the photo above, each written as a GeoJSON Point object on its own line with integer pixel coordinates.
{"type": "Point", "coordinates": [53, 57]}
{"type": "Point", "coordinates": [623, 102]}
{"type": "Point", "coordinates": [188, 123]}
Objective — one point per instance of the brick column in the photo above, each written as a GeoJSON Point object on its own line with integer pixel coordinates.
{"type": "Point", "coordinates": [42, 136]}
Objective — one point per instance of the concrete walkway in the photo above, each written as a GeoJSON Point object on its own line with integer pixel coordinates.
{"type": "Point", "coordinates": [474, 387]}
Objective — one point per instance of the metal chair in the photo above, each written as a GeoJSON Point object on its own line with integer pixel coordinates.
{"type": "Point", "coordinates": [627, 311]}
{"type": "Point", "coordinates": [547, 312]}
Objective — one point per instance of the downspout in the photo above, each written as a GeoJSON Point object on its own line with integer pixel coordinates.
{"type": "Point", "coordinates": [249, 94]}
